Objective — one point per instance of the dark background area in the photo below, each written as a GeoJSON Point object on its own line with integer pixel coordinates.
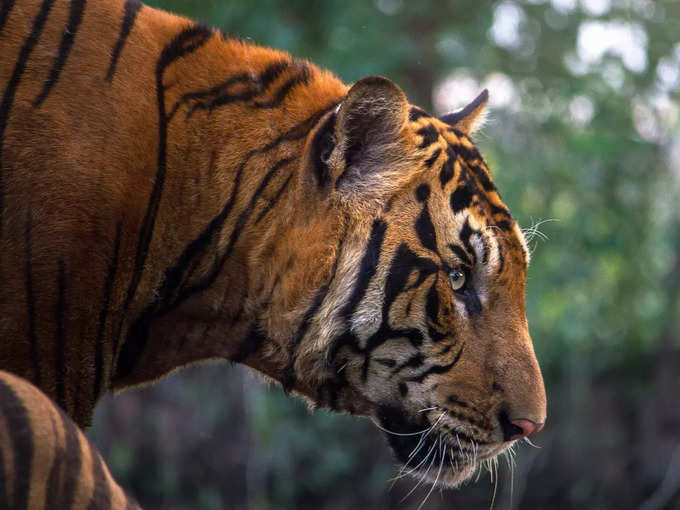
{"type": "Point", "coordinates": [584, 144]}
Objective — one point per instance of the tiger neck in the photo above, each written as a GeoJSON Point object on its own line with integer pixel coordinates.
{"type": "Point", "coordinates": [221, 289]}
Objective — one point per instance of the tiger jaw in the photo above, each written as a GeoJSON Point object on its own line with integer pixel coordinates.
{"type": "Point", "coordinates": [451, 464]}
{"type": "Point", "coordinates": [436, 448]}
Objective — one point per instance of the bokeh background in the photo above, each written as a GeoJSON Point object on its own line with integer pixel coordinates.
{"type": "Point", "coordinates": [584, 143]}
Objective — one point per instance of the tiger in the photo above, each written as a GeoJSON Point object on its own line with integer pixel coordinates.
{"type": "Point", "coordinates": [45, 459]}
{"type": "Point", "coordinates": [171, 194]}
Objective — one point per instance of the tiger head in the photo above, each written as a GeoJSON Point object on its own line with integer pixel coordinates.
{"type": "Point", "coordinates": [419, 321]}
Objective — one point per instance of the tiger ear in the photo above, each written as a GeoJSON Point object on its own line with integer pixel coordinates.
{"type": "Point", "coordinates": [471, 118]}
{"type": "Point", "coordinates": [367, 130]}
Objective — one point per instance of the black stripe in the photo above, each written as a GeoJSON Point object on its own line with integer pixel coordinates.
{"type": "Point", "coordinates": [483, 177]}
{"type": "Point", "coordinates": [103, 314]}
{"type": "Point", "coordinates": [321, 147]}
{"type": "Point", "coordinates": [367, 267]}
{"type": "Point", "coordinates": [30, 299]}
{"type": "Point", "coordinates": [13, 84]}
{"type": "Point", "coordinates": [101, 497]}
{"type": "Point", "coordinates": [72, 458]}
{"type": "Point", "coordinates": [432, 304]}
{"type": "Point", "coordinates": [422, 192]}
{"type": "Point", "coordinates": [60, 342]}
{"type": "Point", "coordinates": [430, 135]}
{"type": "Point", "coordinates": [297, 132]}
{"type": "Point", "coordinates": [328, 393]}
{"type": "Point", "coordinates": [415, 361]}
{"type": "Point", "coordinates": [173, 291]}
{"type": "Point", "coordinates": [503, 225]}
{"type": "Point", "coordinates": [386, 362]}
{"type": "Point", "coordinates": [248, 211]}
{"type": "Point", "coordinates": [467, 152]}
{"type": "Point", "coordinates": [21, 437]}
{"type": "Point", "coordinates": [53, 495]}
{"type": "Point", "coordinates": [221, 94]}
{"type": "Point", "coordinates": [5, 9]}
{"type": "Point", "coordinates": [461, 253]}
{"type": "Point", "coordinates": [501, 260]}
{"type": "Point", "coordinates": [461, 198]}
{"type": "Point", "coordinates": [186, 42]}
{"type": "Point", "coordinates": [289, 377]}
{"type": "Point", "coordinates": [465, 234]}
{"type": "Point", "coordinates": [403, 264]}
{"type": "Point", "coordinates": [63, 479]}
{"type": "Point", "coordinates": [448, 169]}
{"type": "Point", "coordinates": [436, 369]}
{"type": "Point", "coordinates": [301, 78]}
{"type": "Point", "coordinates": [132, 7]}
{"type": "Point", "coordinates": [425, 230]}
{"type": "Point", "coordinates": [445, 349]}
{"type": "Point", "coordinates": [272, 201]}
{"type": "Point", "coordinates": [500, 210]}
{"type": "Point", "coordinates": [430, 161]}
{"type": "Point", "coordinates": [271, 73]}
{"type": "Point", "coordinates": [75, 16]}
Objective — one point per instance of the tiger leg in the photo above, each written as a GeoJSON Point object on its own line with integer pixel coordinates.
{"type": "Point", "coordinates": [45, 460]}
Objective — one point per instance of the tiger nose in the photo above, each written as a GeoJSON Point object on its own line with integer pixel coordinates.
{"type": "Point", "coordinates": [517, 429]}
{"type": "Point", "coordinates": [525, 428]}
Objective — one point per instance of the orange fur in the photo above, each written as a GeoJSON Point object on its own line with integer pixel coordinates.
{"type": "Point", "coordinates": [214, 199]}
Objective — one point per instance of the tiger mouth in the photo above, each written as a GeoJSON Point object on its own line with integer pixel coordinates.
{"type": "Point", "coordinates": [444, 457]}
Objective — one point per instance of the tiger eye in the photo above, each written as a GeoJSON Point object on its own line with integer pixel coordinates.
{"type": "Point", "coordinates": [457, 279]}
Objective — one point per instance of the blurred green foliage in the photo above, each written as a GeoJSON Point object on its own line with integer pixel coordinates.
{"type": "Point", "coordinates": [583, 145]}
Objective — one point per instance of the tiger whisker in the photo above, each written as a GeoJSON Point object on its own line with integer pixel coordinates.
{"type": "Point", "coordinates": [399, 433]}
{"type": "Point", "coordinates": [511, 456]}
{"type": "Point", "coordinates": [422, 478]}
{"type": "Point", "coordinates": [425, 435]}
{"type": "Point", "coordinates": [494, 464]}
{"type": "Point", "coordinates": [474, 453]}
{"type": "Point", "coordinates": [455, 469]}
{"type": "Point", "coordinates": [402, 474]}
{"type": "Point", "coordinates": [528, 441]}
{"type": "Point", "coordinates": [443, 455]}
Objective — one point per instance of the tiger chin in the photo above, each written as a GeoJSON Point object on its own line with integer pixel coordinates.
{"type": "Point", "coordinates": [169, 194]}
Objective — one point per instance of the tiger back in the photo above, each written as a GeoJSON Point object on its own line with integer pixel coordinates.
{"type": "Point", "coordinates": [169, 194]}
